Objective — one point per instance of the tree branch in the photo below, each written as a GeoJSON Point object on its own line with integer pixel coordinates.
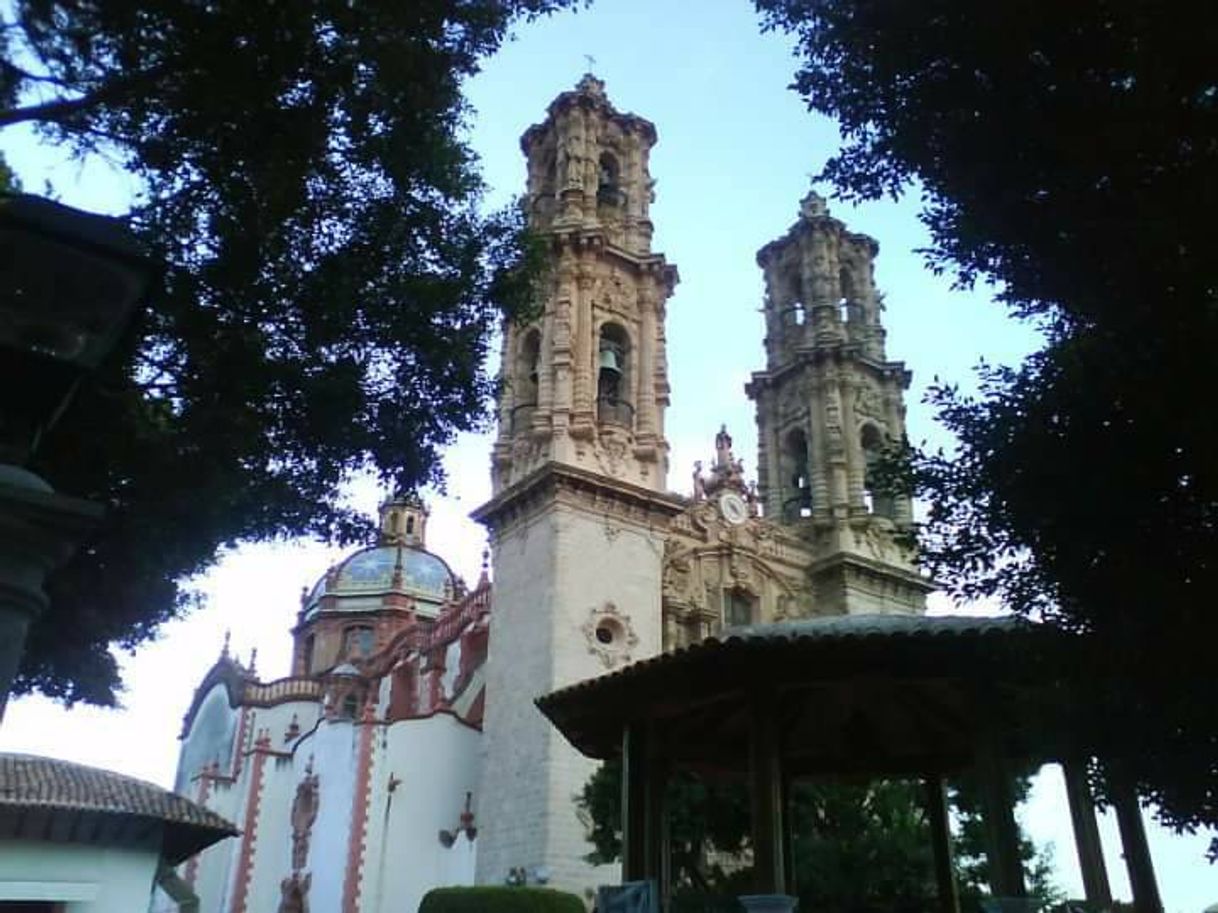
{"type": "Point", "coordinates": [61, 109]}
{"type": "Point", "coordinates": [55, 111]}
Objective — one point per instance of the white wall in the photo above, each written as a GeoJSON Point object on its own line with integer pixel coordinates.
{"type": "Point", "coordinates": [88, 879]}
{"type": "Point", "coordinates": [550, 575]}
{"type": "Point", "coordinates": [434, 762]}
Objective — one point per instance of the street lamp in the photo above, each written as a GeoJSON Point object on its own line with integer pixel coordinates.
{"type": "Point", "coordinates": [70, 283]}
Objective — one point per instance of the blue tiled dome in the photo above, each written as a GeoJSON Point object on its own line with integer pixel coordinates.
{"type": "Point", "coordinates": [371, 572]}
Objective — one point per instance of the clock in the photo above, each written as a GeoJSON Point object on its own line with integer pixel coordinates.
{"type": "Point", "coordinates": [733, 508]}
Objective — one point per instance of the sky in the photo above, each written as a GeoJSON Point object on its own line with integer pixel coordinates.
{"type": "Point", "coordinates": [736, 152]}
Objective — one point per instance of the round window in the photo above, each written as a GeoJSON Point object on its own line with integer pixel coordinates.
{"type": "Point", "coordinates": [605, 633]}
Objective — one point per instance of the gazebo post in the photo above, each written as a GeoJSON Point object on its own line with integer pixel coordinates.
{"type": "Point", "coordinates": [1002, 833]}
{"type": "Point", "coordinates": [1141, 869]}
{"type": "Point", "coordinates": [634, 802]}
{"type": "Point", "coordinates": [788, 845]}
{"type": "Point", "coordinates": [657, 857]}
{"type": "Point", "coordinates": [941, 844]}
{"type": "Point", "coordinates": [768, 813]}
{"type": "Point", "coordinates": [1086, 834]}
{"type": "Point", "coordinates": [644, 821]}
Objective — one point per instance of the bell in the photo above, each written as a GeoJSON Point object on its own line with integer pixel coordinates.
{"type": "Point", "coordinates": [609, 361]}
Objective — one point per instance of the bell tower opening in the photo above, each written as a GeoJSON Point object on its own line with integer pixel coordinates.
{"type": "Point", "coordinates": [526, 380]}
{"type": "Point", "coordinates": [613, 406]}
{"type": "Point", "coordinates": [609, 188]}
{"type": "Point", "coordinates": [797, 498]}
{"type": "Point", "coordinates": [877, 500]}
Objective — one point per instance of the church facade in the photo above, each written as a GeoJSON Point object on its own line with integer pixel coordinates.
{"type": "Point", "coordinates": [404, 750]}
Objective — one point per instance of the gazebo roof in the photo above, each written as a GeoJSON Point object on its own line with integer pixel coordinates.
{"type": "Point", "coordinates": [874, 694]}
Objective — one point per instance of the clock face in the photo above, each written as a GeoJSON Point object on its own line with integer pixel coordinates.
{"type": "Point", "coordinates": [733, 508]}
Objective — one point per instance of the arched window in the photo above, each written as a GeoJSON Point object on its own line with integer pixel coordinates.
{"type": "Point", "coordinates": [797, 492]}
{"type": "Point", "coordinates": [350, 706]}
{"type": "Point", "coordinates": [526, 380]}
{"type": "Point", "coordinates": [846, 303]}
{"type": "Point", "coordinates": [613, 376]}
{"type": "Point", "coordinates": [878, 502]}
{"type": "Point", "coordinates": [357, 641]}
{"type": "Point", "coordinates": [739, 608]}
{"type": "Point", "coordinates": [306, 655]}
{"type": "Point", "coordinates": [608, 188]}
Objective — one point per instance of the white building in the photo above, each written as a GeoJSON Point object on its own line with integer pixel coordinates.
{"type": "Point", "coordinates": [76, 839]}
{"type": "Point", "coordinates": [405, 750]}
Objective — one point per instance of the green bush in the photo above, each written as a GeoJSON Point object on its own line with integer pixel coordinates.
{"type": "Point", "coordinates": [500, 899]}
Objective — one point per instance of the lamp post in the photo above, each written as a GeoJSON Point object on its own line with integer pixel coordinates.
{"type": "Point", "coordinates": [70, 283]}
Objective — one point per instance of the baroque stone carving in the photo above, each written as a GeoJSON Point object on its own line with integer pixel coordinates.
{"type": "Point", "coordinates": [304, 813]}
{"type": "Point", "coordinates": [294, 893]}
{"type": "Point", "coordinates": [867, 402]}
{"type": "Point", "coordinates": [610, 635]}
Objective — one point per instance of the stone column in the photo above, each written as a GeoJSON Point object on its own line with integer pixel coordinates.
{"type": "Point", "coordinates": [645, 418]}
{"type": "Point", "coordinates": [585, 345]}
{"type": "Point", "coordinates": [39, 530]}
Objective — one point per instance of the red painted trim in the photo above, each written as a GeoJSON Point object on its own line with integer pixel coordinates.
{"type": "Point", "coordinates": [253, 805]}
{"type": "Point", "coordinates": [239, 744]}
{"type": "Point", "coordinates": [359, 816]}
{"type": "Point", "coordinates": [192, 866]}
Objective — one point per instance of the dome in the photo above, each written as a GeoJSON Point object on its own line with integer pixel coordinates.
{"type": "Point", "coordinates": [398, 565]}
{"type": "Point", "coordinates": [361, 579]}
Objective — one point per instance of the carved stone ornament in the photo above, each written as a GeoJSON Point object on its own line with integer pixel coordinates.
{"type": "Point", "coordinates": [294, 893]}
{"type": "Point", "coordinates": [610, 635]}
{"type": "Point", "coordinates": [867, 402]}
{"type": "Point", "coordinates": [304, 813]}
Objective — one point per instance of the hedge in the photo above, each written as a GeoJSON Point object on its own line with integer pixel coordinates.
{"type": "Point", "coordinates": [500, 899]}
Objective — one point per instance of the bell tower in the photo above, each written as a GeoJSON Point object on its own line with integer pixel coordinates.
{"type": "Point", "coordinates": [586, 383]}
{"type": "Point", "coordinates": [579, 510]}
{"type": "Point", "coordinates": [828, 404]}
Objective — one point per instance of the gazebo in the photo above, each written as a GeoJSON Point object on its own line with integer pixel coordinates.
{"type": "Point", "coordinates": [877, 695]}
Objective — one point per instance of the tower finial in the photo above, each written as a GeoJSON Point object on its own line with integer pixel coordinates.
{"type": "Point", "coordinates": [228, 636]}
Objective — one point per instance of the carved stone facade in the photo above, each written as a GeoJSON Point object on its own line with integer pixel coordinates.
{"type": "Point", "coordinates": [725, 565]}
{"type": "Point", "coordinates": [586, 383]}
{"type": "Point", "coordinates": [829, 405]}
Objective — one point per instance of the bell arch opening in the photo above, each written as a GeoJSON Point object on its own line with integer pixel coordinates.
{"type": "Point", "coordinates": [613, 378]}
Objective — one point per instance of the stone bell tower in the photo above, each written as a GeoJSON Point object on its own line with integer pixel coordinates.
{"type": "Point", "coordinates": [828, 403]}
{"type": "Point", "coordinates": [579, 509]}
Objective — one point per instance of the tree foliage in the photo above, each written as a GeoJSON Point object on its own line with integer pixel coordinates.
{"type": "Point", "coordinates": [1068, 157]}
{"type": "Point", "coordinates": [330, 288]}
{"type": "Point", "coordinates": [858, 847]}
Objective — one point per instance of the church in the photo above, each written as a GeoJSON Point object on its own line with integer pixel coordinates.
{"type": "Point", "coordinates": [404, 750]}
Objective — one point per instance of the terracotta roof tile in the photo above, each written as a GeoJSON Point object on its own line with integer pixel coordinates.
{"type": "Point", "coordinates": [33, 782]}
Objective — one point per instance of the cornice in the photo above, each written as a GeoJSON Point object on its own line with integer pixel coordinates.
{"type": "Point", "coordinates": [907, 577]}
{"type": "Point", "coordinates": [840, 352]}
{"type": "Point", "coordinates": [559, 481]}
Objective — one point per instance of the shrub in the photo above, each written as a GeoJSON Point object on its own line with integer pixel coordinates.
{"type": "Point", "coordinates": [500, 899]}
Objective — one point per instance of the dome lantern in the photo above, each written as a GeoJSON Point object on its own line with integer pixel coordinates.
{"type": "Point", "coordinates": [404, 521]}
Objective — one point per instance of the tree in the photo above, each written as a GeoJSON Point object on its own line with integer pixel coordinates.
{"type": "Point", "coordinates": [330, 282]}
{"type": "Point", "coordinates": [858, 847]}
{"type": "Point", "coordinates": [1066, 156]}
